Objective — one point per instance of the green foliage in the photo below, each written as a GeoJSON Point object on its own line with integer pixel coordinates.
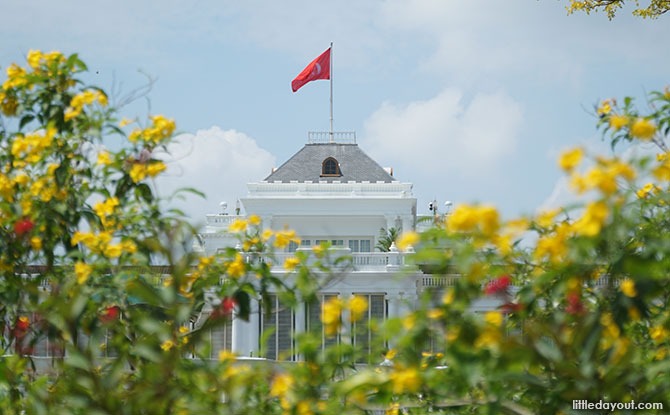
{"type": "Point", "coordinates": [387, 238]}
{"type": "Point", "coordinates": [654, 8]}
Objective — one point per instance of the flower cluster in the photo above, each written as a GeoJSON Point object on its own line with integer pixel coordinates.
{"type": "Point", "coordinates": [161, 128]}
{"type": "Point", "coordinates": [82, 99]}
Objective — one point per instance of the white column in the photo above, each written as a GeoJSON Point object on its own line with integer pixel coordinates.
{"type": "Point", "coordinates": [299, 313]}
{"type": "Point", "coordinates": [246, 334]}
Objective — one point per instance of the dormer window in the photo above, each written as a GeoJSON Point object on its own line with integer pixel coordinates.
{"type": "Point", "coordinates": [330, 167]}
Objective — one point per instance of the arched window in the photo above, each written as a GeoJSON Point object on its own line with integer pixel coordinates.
{"type": "Point", "coordinates": [330, 167]}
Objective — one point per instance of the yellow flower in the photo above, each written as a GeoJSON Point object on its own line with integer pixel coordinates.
{"type": "Point", "coordinates": [36, 243]}
{"type": "Point", "coordinates": [546, 219]}
{"type": "Point", "coordinates": [35, 58]}
{"type": "Point", "coordinates": [330, 316]}
{"type": "Point", "coordinates": [659, 334]}
{"type": "Point", "coordinates": [87, 238]}
{"type": "Point", "coordinates": [627, 287]}
{"type": "Point", "coordinates": [358, 305]}
{"type": "Point", "coordinates": [490, 338]}
{"type": "Point", "coordinates": [8, 104]}
{"type": "Point", "coordinates": [448, 297]}
{"type": "Point", "coordinates": [113, 251]}
{"type": "Point", "coordinates": [155, 168]}
{"type": "Point", "coordinates": [281, 384]}
{"type": "Point", "coordinates": [125, 121]}
{"type": "Point", "coordinates": [161, 129]}
{"type": "Point", "coordinates": [254, 220]}
{"type": "Point", "coordinates": [129, 246]}
{"type": "Point", "coordinates": [267, 234]}
{"type": "Point", "coordinates": [82, 271]}
{"type": "Point", "coordinates": [285, 237]}
{"type": "Point", "coordinates": [406, 240]}
{"type": "Point", "coordinates": [226, 356]}
{"type": "Point", "coordinates": [304, 408]}
{"type": "Point", "coordinates": [435, 313]}
{"type": "Point", "coordinates": [106, 208]}
{"type": "Point", "coordinates": [237, 267]}
{"type": "Point", "coordinates": [503, 243]}
{"type": "Point", "coordinates": [394, 409]}
{"type": "Point", "coordinates": [611, 330]}
{"type": "Point", "coordinates": [662, 172]}
{"type": "Point", "coordinates": [409, 321]}
{"type": "Point", "coordinates": [104, 158]}
{"type": "Point", "coordinates": [643, 129]}
{"type": "Point", "coordinates": [593, 219]}
{"type": "Point", "coordinates": [466, 218]}
{"type": "Point", "coordinates": [134, 135]}
{"type": "Point", "coordinates": [570, 159]}
{"type": "Point", "coordinates": [646, 190]}
{"type": "Point", "coordinates": [405, 380]}
{"type": "Point", "coordinates": [494, 318]}
{"type": "Point", "coordinates": [604, 176]}
{"type": "Point", "coordinates": [16, 77]}
{"type": "Point", "coordinates": [318, 250]}
{"type": "Point", "coordinates": [291, 263]}
{"type": "Point", "coordinates": [238, 225]}
{"type": "Point", "coordinates": [167, 345]}
{"type": "Point", "coordinates": [605, 107]}
{"type": "Point", "coordinates": [618, 121]}
{"type": "Point", "coordinates": [21, 179]}
{"type": "Point", "coordinates": [138, 172]}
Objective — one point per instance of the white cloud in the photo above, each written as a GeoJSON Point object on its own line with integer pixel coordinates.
{"type": "Point", "coordinates": [444, 134]}
{"type": "Point", "coordinates": [475, 41]}
{"type": "Point", "coordinates": [217, 162]}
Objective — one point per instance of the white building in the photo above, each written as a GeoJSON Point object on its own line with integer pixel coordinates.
{"type": "Point", "coordinates": [331, 191]}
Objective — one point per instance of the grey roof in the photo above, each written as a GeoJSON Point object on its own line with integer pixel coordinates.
{"type": "Point", "coordinates": [306, 164]}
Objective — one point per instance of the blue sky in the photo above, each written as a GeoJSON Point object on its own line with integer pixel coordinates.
{"type": "Point", "coordinates": [472, 101]}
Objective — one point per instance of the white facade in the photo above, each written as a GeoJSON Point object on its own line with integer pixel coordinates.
{"type": "Point", "coordinates": [349, 214]}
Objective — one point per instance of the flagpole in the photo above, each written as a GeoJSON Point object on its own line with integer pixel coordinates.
{"type": "Point", "coordinates": [332, 140]}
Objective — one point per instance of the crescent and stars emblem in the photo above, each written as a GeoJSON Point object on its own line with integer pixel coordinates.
{"type": "Point", "coordinates": [317, 69]}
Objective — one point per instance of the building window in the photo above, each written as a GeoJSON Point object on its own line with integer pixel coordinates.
{"type": "Point", "coordinates": [277, 328]}
{"type": "Point", "coordinates": [365, 331]}
{"type": "Point", "coordinates": [330, 167]}
{"type": "Point", "coordinates": [360, 245]}
{"type": "Point", "coordinates": [221, 338]}
{"type": "Point", "coordinates": [292, 246]}
{"type": "Point", "coordinates": [336, 243]}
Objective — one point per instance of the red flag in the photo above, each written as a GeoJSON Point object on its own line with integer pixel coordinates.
{"type": "Point", "coordinates": [319, 68]}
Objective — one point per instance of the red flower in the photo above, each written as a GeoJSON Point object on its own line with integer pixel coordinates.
{"type": "Point", "coordinates": [498, 285]}
{"type": "Point", "coordinates": [23, 226]}
{"type": "Point", "coordinates": [22, 324]}
{"type": "Point", "coordinates": [228, 305]}
{"type": "Point", "coordinates": [110, 314]}
{"type": "Point", "coordinates": [575, 305]}
{"type": "Point", "coordinates": [225, 309]}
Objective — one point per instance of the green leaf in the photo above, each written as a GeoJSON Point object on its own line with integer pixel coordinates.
{"type": "Point", "coordinates": [25, 120]}
{"type": "Point", "coordinates": [144, 191]}
{"type": "Point", "coordinates": [243, 301]}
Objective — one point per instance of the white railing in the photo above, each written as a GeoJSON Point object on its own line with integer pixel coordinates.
{"type": "Point", "coordinates": [360, 261]}
{"type": "Point", "coordinates": [222, 220]}
{"type": "Point", "coordinates": [441, 281]}
{"type": "Point", "coordinates": [336, 137]}
{"type": "Point", "coordinates": [365, 189]}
